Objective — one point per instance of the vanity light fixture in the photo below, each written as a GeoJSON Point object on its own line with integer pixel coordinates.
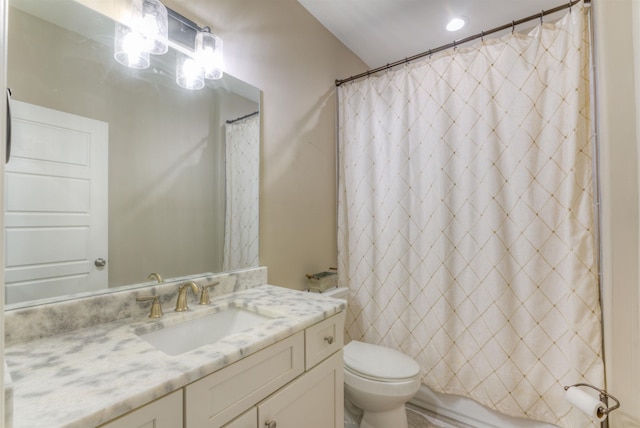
{"type": "Point", "coordinates": [150, 28]}
{"type": "Point", "coordinates": [208, 51]}
{"type": "Point", "coordinates": [206, 62]}
{"type": "Point", "coordinates": [456, 24]}
{"type": "Point", "coordinates": [145, 32]}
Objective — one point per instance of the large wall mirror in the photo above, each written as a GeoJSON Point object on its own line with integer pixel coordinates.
{"type": "Point", "coordinates": [114, 172]}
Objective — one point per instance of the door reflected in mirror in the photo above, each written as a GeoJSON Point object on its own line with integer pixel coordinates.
{"type": "Point", "coordinates": [114, 172]}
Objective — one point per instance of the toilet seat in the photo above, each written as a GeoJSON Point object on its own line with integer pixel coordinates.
{"type": "Point", "coordinates": [379, 363]}
{"type": "Point", "coordinates": [383, 391]}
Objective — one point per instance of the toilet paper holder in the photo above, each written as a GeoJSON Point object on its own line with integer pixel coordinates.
{"type": "Point", "coordinates": [604, 398]}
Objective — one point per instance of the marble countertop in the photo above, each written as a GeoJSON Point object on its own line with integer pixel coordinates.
{"type": "Point", "coordinates": [89, 376]}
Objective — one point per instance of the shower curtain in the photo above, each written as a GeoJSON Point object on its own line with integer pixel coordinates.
{"type": "Point", "coordinates": [243, 189]}
{"type": "Point", "coordinates": [466, 219]}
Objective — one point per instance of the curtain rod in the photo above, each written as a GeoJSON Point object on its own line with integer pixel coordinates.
{"type": "Point", "coordinates": [456, 43]}
{"type": "Point", "coordinates": [243, 117]}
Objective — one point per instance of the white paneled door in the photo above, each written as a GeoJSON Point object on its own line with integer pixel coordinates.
{"type": "Point", "coordinates": [56, 195]}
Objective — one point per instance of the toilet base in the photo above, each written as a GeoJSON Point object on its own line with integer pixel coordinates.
{"type": "Point", "coordinates": [396, 418]}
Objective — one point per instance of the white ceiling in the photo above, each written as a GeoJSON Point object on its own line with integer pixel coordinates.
{"type": "Point", "coordinates": [384, 31]}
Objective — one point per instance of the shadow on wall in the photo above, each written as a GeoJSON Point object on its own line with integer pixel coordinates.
{"type": "Point", "coordinates": [300, 183]}
{"type": "Point", "coordinates": [294, 148]}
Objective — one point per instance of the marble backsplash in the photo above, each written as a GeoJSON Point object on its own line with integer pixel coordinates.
{"type": "Point", "coordinates": [51, 318]}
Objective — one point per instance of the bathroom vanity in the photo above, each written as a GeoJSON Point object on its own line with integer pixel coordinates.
{"type": "Point", "coordinates": [273, 387]}
{"type": "Point", "coordinates": [286, 371]}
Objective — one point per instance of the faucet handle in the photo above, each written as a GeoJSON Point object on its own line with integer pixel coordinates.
{"type": "Point", "coordinates": [204, 295]}
{"type": "Point", "coordinates": [156, 309]}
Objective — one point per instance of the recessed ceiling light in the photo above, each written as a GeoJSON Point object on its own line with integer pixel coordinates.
{"type": "Point", "coordinates": [456, 23]}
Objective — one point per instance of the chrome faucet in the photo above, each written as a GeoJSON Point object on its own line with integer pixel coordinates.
{"type": "Point", "coordinates": [181, 304]}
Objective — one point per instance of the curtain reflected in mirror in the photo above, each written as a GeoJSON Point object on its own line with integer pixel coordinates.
{"type": "Point", "coordinates": [243, 185]}
{"type": "Point", "coordinates": [165, 152]}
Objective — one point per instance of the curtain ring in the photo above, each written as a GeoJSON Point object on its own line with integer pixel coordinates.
{"type": "Point", "coordinates": [513, 26]}
{"type": "Point", "coordinates": [482, 36]}
{"type": "Point", "coordinates": [570, 4]}
{"type": "Point", "coordinates": [454, 45]}
{"type": "Point", "coordinates": [541, 15]}
{"type": "Point", "coordinates": [430, 53]}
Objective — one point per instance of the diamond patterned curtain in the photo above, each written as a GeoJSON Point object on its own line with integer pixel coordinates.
{"type": "Point", "coordinates": [243, 189]}
{"type": "Point", "coordinates": [466, 219]}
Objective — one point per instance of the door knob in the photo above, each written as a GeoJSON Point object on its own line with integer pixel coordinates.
{"type": "Point", "coordinates": [100, 262]}
{"type": "Point", "coordinates": [270, 424]}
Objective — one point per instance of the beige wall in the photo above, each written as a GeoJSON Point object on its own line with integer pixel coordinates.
{"type": "Point", "coordinates": [617, 81]}
{"type": "Point", "coordinates": [277, 46]}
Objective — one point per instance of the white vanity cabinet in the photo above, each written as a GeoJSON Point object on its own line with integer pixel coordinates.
{"type": "Point", "coordinates": [298, 382]}
{"type": "Point", "coordinates": [218, 398]}
{"type": "Point", "coordinates": [165, 412]}
{"type": "Point", "coordinates": [314, 400]}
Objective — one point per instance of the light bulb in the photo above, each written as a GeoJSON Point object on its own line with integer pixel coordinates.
{"type": "Point", "coordinates": [208, 51]}
{"type": "Point", "coordinates": [129, 47]}
{"type": "Point", "coordinates": [150, 19]}
{"type": "Point", "coordinates": [189, 73]}
{"type": "Point", "coordinates": [456, 24]}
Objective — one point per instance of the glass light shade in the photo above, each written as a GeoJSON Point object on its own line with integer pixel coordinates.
{"type": "Point", "coordinates": [149, 18]}
{"type": "Point", "coordinates": [208, 50]}
{"type": "Point", "coordinates": [189, 72]}
{"type": "Point", "coordinates": [129, 48]}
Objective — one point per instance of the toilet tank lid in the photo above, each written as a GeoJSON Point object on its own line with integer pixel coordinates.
{"type": "Point", "coordinates": [379, 362]}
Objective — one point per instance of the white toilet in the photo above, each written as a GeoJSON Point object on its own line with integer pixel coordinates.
{"type": "Point", "coordinates": [378, 380]}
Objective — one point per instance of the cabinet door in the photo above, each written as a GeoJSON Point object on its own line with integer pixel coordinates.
{"type": "Point", "coordinates": [248, 419]}
{"type": "Point", "coordinates": [314, 400]}
{"type": "Point", "coordinates": [323, 339]}
{"type": "Point", "coordinates": [218, 398]}
{"type": "Point", "coordinates": [165, 412]}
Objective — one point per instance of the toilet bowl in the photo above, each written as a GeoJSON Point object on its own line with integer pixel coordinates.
{"type": "Point", "coordinates": [378, 381]}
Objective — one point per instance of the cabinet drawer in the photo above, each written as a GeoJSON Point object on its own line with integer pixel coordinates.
{"type": "Point", "coordinates": [323, 339]}
{"type": "Point", "coordinates": [223, 395]}
{"type": "Point", "coordinates": [165, 412]}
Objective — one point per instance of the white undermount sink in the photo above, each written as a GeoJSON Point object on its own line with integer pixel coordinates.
{"type": "Point", "coordinates": [189, 335]}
